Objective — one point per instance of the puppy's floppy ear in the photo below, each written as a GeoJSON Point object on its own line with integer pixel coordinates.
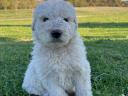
{"type": "Point", "coordinates": [33, 20]}
{"type": "Point", "coordinates": [76, 24]}
{"type": "Point", "coordinates": [33, 24]}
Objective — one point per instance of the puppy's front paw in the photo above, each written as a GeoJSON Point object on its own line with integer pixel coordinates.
{"type": "Point", "coordinates": [33, 95]}
{"type": "Point", "coordinates": [71, 94]}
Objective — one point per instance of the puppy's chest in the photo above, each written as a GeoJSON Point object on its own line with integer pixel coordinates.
{"type": "Point", "coordinates": [61, 63]}
{"type": "Point", "coordinates": [64, 79]}
{"type": "Point", "coordinates": [61, 70]}
{"type": "Point", "coordinates": [62, 60]}
{"type": "Point", "coordinates": [63, 75]}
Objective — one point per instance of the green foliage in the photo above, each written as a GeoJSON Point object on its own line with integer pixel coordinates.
{"type": "Point", "coordinates": [29, 4]}
{"type": "Point", "coordinates": [17, 4]}
{"type": "Point", "coordinates": [98, 3]}
{"type": "Point", "coordinates": [105, 32]}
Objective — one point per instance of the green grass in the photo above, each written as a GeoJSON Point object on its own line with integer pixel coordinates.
{"type": "Point", "coordinates": [105, 32]}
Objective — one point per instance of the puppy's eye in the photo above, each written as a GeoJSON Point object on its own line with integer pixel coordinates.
{"type": "Point", "coordinates": [66, 19]}
{"type": "Point", "coordinates": [45, 19]}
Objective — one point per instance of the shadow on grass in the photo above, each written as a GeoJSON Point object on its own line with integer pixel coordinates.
{"type": "Point", "coordinates": [7, 40]}
{"type": "Point", "coordinates": [103, 25]}
{"type": "Point", "coordinates": [9, 25]}
{"type": "Point", "coordinates": [105, 37]}
{"type": "Point", "coordinates": [85, 25]}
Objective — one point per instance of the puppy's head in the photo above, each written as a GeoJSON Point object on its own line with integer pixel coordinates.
{"type": "Point", "coordinates": [54, 23]}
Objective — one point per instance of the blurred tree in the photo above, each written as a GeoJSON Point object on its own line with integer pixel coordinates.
{"type": "Point", "coordinates": [91, 2]}
{"type": "Point", "coordinates": [4, 4]}
{"type": "Point", "coordinates": [28, 4]}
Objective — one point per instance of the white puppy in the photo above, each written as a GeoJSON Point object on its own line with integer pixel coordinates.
{"type": "Point", "coordinates": [59, 64]}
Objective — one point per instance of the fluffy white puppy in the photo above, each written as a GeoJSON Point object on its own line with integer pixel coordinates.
{"type": "Point", "coordinates": [59, 64]}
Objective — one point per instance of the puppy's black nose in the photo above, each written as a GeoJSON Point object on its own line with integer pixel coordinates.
{"type": "Point", "coordinates": [56, 33]}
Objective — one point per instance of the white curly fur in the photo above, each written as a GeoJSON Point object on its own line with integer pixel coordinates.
{"type": "Point", "coordinates": [57, 67]}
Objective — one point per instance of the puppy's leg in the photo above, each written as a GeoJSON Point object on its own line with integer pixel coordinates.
{"type": "Point", "coordinates": [33, 95]}
{"type": "Point", "coordinates": [83, 84]}
{"type": "Point", "coordinates": [53, 89]}
{"type": "Point", "coordinates": [44, 94]}
{"type": "Point", "coordinates": [30, 83]}
{"type": "Point", "coordinates": [71, 93]}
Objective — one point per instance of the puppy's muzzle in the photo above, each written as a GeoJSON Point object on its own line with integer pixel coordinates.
{"type": "Point", "coordinates": [56, 34]}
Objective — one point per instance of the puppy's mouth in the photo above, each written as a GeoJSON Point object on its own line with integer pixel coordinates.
{"type": "Point", "coordinates": [57, 41]}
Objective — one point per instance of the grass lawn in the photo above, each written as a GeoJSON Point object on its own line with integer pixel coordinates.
{"type": "Point", "coordinates": [105, 32]}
